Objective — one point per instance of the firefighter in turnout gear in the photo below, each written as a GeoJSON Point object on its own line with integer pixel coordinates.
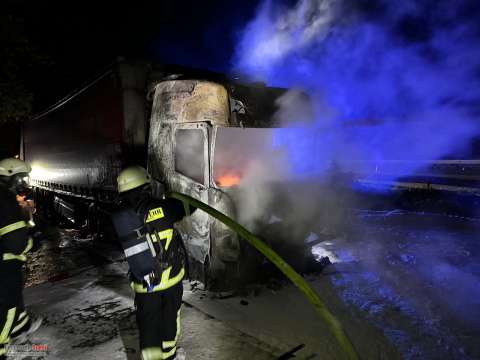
{"type": "Point", "coordinates": [156, 258]}
{"type": "Point", "coordinates": [15, 243]}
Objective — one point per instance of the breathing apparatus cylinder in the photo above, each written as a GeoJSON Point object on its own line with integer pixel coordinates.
{"type": "Point", "coordinates": [138, 250]}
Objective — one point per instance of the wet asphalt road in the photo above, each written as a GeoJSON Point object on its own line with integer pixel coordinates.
{"type": "Point", "coordinates": [404, 281]}
{"type": "Point", "coordinates": [88, 310]}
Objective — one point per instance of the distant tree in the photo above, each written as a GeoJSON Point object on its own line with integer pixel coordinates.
{"type": "Point", "coordinates": [18, 58]}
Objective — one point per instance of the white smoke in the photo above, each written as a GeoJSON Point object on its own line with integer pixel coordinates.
{"type": "Point", "coordinates": [377, 94]}
{"type": "Point", "coordinates": [272, 38]}
{"type": "Point", "coordinates": [400, 82]}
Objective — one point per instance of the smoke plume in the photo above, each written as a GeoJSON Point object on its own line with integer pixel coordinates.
{"type": "Point", "coordinates": [389, 80]}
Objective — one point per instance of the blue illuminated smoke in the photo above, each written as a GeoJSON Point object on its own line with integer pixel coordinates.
{"type": "Point", "coordinates": [389, 80]}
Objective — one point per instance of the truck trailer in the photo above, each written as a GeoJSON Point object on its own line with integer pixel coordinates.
{"type": "Point", "coordinates": [164, 117]}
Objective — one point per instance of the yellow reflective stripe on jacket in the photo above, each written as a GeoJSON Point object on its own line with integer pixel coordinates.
{"type": "Point", "coordinates": [165, 283]}
{"type": "Point", "coordinates": [155, 214]}
{"type": "Point", "coordinates": [4, 335]}
{"type": "Point", "coordinates": [169, 344]}
{"type": "Point", "coordinates": [10, 256]}
{"type": "Point", "coordinates": [153, 236]}
{"type": "Point", "coordinates": [12, 227]}
{"type": "Point", "coordinates": [166, 235]}
{"type": "Point", "coordinates": [157, 353]}
{"type": "Point", "coordinates": [3, 350]}
{"type": "Point", "coordinates": [22, 256]}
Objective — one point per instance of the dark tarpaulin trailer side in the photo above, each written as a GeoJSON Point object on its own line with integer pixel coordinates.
{"type": "Point", "coordinates": [83, 141]}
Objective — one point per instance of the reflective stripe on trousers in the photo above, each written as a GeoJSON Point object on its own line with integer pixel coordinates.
{"type": "Point", "coordinates": [7, 326]}
{"type": "Point", "coordinates": [173, 343]}
{"type": "Point", "coordinates": [157, 353]}
{"type": "Point", "coordinates": [168, 348]}
{"type": "Point", "coordinates": [21, 322]}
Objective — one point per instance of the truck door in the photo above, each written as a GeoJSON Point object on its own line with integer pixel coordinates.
{"type": "Point", "coordinates": [191, 177]}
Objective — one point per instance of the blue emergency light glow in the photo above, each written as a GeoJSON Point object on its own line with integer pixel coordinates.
{"type": "Point", "coordinates": [384, 86]}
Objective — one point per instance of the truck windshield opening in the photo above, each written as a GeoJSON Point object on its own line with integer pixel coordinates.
{"type": "Point", "coordinates": [238, 151]}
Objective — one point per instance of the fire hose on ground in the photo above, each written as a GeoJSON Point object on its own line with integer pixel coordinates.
{"type": "Point", "coordinates": [332, 323]}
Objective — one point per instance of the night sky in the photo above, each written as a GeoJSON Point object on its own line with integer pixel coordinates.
{"type": "Point", "coordinates": [80, 38]}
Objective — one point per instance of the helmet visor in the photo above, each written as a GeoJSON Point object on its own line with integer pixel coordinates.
{"type": "Point", "coordinates": [21, 182]}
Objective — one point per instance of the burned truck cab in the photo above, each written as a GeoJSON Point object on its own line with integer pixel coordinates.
{"type": "Point", "coordinates": [187, 115]}
{"type": "Point", "coordinates": [78, 146]}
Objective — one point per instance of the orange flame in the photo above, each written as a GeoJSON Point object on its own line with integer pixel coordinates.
{"type": "Point", "coordinates": [228, 180]}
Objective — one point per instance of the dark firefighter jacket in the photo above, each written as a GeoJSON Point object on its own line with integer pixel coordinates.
{"type": "Point", "coordinates": [159, 217]}
{"type": "Point", "coordinates": [15, 241]}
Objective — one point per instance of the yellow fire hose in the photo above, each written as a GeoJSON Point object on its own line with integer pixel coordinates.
{"type": "Point", "coordinates": [332, 323]}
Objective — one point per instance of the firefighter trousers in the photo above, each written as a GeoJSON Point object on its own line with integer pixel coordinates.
{"type": "Point", "coordinates": [13, 317]}
{"type": "Point", "coordinates": [158, 321]}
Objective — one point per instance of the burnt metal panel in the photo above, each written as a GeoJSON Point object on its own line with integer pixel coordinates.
{"type": "Point", "coordinates": [195, 229]}
{"type": "Point", "coordinates": [184, 101]}
{"type": "Point", "coordinates": [190, 104]}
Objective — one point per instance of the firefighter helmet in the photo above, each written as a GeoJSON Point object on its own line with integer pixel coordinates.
{"type": "Point", "coordinates": [132, 178]}
{"type": "Point", "coordinates": [12, 166]}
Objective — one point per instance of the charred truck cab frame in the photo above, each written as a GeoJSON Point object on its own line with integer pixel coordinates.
{"type": "Point", "coordinates": [79, 145]}
{"type": "Point", "coordinates": [185, 117]}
